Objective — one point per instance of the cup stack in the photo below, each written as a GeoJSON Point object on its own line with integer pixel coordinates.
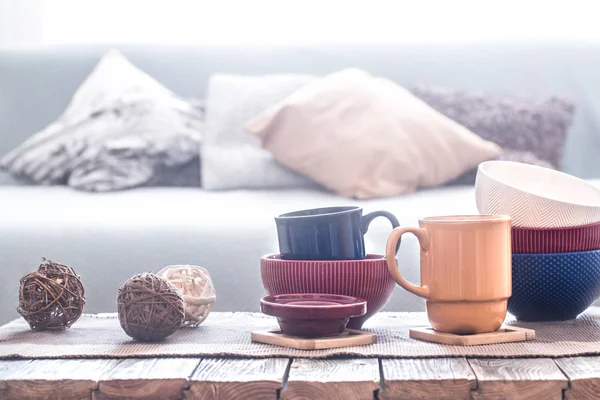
{"type": "Point", "coordinates": [555, 237]}
{"type": "Point", "coordinates": [322, 251]}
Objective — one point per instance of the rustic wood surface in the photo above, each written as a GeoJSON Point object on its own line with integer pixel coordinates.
{"type": "Point", "coordinates": [282, 378]}
{"type": "Point", "coordinates": [35, 380]}
{"type": "Point", "coordinates": [445, 378]}
{"type": "Point", "coordinates": [238, 379]}
{"type": "Point", "coordinates": [6, 368]}
{"type": "Point", "coordinates": [584, 377]}
{"type": "Point", "coordinates": [348, 379]}
{"type": "Point", "coordinates": [532, 378]}
{"type": "Point", "coordinates": [162, 378]}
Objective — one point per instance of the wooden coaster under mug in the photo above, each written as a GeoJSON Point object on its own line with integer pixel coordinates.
{"type": "Point", "coordinates": [350, 337]}
{"type": "Point", "coordinates": [505, 334]}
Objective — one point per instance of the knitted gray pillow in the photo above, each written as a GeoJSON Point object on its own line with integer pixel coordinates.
{"type": "Point", "coordinates": [122, 129]}
{"type": "Point", "coordinates": [517, 125]}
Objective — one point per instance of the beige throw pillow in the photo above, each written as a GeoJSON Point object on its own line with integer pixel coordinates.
{"type": "Point", "coordinates": [365, 137]}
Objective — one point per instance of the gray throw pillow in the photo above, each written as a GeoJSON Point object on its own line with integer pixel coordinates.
{"type": "Point", "coordinates": [232, 158]}
{"type": "Point", "coordinates": [521, 125]}
{"type": "Point", "coordinates": [122, 129]}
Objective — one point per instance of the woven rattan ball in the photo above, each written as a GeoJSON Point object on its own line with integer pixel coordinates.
{"type": "Point", "coordinates": [150, 308]}
{"type": "Point", "coordinates": [197, 288]}
{"type": "Point", "coordinates": [51, 297]}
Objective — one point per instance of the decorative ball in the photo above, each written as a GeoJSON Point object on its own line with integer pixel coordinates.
{"type": "Point", "coordinates": [150, 308]}
{"type": "Point", "coordinates": [197, 288]}
{"type": "Point", "coordinates": [51, 297]}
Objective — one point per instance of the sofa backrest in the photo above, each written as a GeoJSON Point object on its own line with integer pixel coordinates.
{"type": "Point", "coordinates": [36, 83]}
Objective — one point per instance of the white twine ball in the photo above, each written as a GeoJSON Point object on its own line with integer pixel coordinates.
{"type": "Point", "coordinates": [197, 289]}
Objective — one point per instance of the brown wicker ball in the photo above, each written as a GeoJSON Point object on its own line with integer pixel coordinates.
{"type": "Point", "coordinates": [150, 308]}
{"type": "Point", "coordinates": [51, 297]}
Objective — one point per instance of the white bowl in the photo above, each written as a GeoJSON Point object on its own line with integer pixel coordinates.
{"type": "Point", "coordinates": [535, 197]}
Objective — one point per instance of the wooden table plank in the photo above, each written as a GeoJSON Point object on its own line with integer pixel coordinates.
{"type": "Point", "coordinates": [44, 379]}
{"type": "Point", "coordinates": [153, 378]}
{"type": "Point", "coordinates": [444, 378]}
{"type": "Point", "coordinates": [237, 379]}
{"type": "Point", "coordinates": [348, 379]}
{"type": "Point", "coordinates": [584, 376]}
{"type": "Point", "coordinates": [518, 379]}
{"type": "Point", "coordinates": [7, 368]}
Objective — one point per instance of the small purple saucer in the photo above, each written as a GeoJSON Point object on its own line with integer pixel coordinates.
{"type": "Point", "coordinates": [313, 314]}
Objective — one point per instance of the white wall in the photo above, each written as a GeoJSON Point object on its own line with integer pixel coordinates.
{"type": "Point", "coordinates": [41, 22]}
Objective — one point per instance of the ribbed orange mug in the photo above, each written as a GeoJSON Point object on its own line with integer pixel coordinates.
{"type": "Point", "coordinates": [466, 270]}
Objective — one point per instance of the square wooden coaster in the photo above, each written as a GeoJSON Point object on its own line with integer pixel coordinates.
{"type": "Point", "coordinates": [505, 334]}
{"type": "Point", "coordinates": [350, 337]}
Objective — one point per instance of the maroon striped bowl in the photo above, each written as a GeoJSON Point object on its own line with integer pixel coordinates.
{"type": "Point", "coordinates": [367, 279]}
{"type": "Point", "coordinates": [556, 240]}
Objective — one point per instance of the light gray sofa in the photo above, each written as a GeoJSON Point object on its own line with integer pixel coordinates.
{"type": "Point", "coordinates": [109, 237]}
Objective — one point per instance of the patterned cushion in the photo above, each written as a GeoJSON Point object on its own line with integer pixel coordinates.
{"type": "Point", "coordinates": [122, 129]}
{"type": "Point", "coordinates": [538, 127]}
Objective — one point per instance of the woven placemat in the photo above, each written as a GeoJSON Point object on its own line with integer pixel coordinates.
{"type": "Point", "coordinates": [228, 334]}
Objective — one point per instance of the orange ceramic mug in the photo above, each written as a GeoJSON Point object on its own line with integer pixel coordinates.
{"type": "Point", "coordinates": [466, 275]}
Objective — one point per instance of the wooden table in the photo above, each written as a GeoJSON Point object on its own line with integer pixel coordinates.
{"type": "Point", "coordinates": [282, 378]}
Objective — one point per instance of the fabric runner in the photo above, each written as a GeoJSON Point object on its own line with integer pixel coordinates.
{"type": "Point", "coordinates": [228, 334]}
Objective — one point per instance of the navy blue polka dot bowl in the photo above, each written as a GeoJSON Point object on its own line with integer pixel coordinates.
{"type": "Point", "coordinates": [554, 287]}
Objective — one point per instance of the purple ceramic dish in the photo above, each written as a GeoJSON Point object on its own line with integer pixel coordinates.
{"type": "Point", "coordinates": [367, 279]}
{"type": "Point", "coordinates": [313, 314]}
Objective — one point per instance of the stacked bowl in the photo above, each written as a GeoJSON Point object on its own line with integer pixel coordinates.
{"type": "Point", "coordinates": [322, 255]}
{"type": "Point", "coordinates": [367, 279]}
{"type": "Point", "coordinates": [555, 237]}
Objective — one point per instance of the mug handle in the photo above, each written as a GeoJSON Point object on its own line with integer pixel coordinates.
{"type": "Point", "coordinates": [366, 220]}
{"type": "Point", "coordinates": [392, 264]}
